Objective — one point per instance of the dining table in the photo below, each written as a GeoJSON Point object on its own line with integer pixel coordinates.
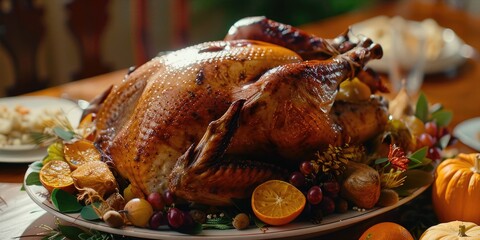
{"type": "Point", "coordinates": [457, 90]}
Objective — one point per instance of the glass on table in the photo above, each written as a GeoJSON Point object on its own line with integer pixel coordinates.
{"type": "Point", "coordinates": [407, 61]}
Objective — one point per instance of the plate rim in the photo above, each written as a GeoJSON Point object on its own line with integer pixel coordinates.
{"type": "Point", "coordinates": [305, 229]}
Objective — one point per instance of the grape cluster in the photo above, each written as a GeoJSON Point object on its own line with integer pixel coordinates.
{"type": "Point", "coordinates": [430, 138]}
{"type": "Point", "coordinates": [165, 213]}
{"type": "Point", "coordinates": [321, 191]}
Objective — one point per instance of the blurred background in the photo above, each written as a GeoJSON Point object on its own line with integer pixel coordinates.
{"type": "Point", "coordinates": [45, 43]}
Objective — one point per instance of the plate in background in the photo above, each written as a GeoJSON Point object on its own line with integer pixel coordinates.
{"type": "Point", "coordinates": [36, 104]}
{"type": "Point", "coordinates": [445, 50]}
{"type": "Point", "coordinates": [469, 132]}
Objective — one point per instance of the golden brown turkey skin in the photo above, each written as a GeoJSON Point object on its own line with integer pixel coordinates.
{"type": "Point", "coordinates": [288, 117]}
{"type": "Point", "coordinates": [164, 106]}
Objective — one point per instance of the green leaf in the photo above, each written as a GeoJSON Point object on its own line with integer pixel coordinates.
{"type": "Point", "coordinates": [422, 163]}
{"type": "Point", "coordinates": [442, 117]}
{"type": "Point", "coordinates": [63, 134]}
{"type": "Point", "coordinates": [419, 155]}
{"type": "Point", "coordinates": [381, 160]}
{"type": "Point", "coordinates": [36, 166]}
{"type": "Point", "coordinates": [421, 109]}
{"type": "Point", "coordinates": [419, 158]}
{"type": "Point", "coordinates": [33, 179]}
{"type": "Point", "coordinates": [89, 213]}
{"type": "Point", "coordinates": [65, 202]}
{"type": "Point", "coordinates": [216, 226]}
{"type": "Point", "coordinates": [70, 232]}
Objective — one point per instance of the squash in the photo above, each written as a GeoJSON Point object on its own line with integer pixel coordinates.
{"type": "Point", "coordinates": [452, 230]}
{"type": "Point", "coordinates": [456, 189]}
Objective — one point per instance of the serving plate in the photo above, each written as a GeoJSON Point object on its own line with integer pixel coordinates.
{"type": "Point", "coordinates": [469, 133]}
{"type": "Point", "coordinates": [305, 229]}
{"type": "Point", "coordinates": [444, 50]}
{"type": "Point", "coordinates": [36, 104]}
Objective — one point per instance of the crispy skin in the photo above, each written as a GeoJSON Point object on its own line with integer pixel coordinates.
{"type": "Point", "coordinates": [164, 107]}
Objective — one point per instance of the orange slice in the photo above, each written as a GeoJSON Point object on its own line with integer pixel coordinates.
{"type": "Point", "coordinates": [277, 202]}
{"type": "Point", "coordinates": [79, 152]}
{"type": "Point", "coordinates": [56, 174]}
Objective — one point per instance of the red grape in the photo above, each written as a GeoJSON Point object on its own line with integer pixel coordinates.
{"type": "Point", "coordinates": [168, 197]}
{"type": "Point", "coordinates": [176, 218]}
{"type": "Point", "coordinates": [331, 188]}
{"type": "Point", "coordinates": [434, 153]}
{"type": "Point", "coordinates": [341, 205]}
{"type": "Point", "coordinates": [426, 139]}
{"type": "Point", "coordinates": [442, 131]}
{"type": "Point", "coordinates": [306, 167]}
{"type": "Point", "coordinates": [157, 220]}
{"type": "Point", "coordinates": [314, 195]}
{"type": "Point", "coordinates": [297, 179]}
{"type": "Point", "coordinates": [328, 205]}
{"type": "Point", "coordinates": [431, 128]}
{"type": "Point", "coordinates": [156, 200]}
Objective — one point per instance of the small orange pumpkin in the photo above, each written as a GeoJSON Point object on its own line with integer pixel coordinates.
{"type": "Point", "coordinates": [456, 190]}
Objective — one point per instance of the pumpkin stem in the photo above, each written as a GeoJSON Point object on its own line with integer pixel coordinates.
{"type": "Point", "coordinates": [476, 166]}
{"type": "Point", "coordinates": [461, 230]}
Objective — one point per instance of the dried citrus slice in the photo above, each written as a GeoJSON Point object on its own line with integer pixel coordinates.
{"type": "Point", "coordinates": [87, 126]}
{"type": "Point", "coordinates": [79, 152]}
{"type": "Point", "coordinates": [277, 202]}
{"type": "Point", "coordinates": [56, 174]}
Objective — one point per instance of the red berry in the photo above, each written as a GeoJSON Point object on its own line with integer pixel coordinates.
{"type": "Point", "coordinates": [314, 195]}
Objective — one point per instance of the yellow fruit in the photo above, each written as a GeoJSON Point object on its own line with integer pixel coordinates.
{"type": "Point", "coordinates": [277, 202]}
{"type": "Point", "coordinates": [127, 193]}
{"type": "Point", "coordinates": [415, 125]}
{"type": "Point", "coordinates": [79, 152]}
{"type": "Point", "coordinates": [54, 152]}
{"type": "Point", "coordinates": [353, 91]}
{"type": "Point", "coordinates": [56, 174]}
{"type": "Point", "coordinates": [138, 211]}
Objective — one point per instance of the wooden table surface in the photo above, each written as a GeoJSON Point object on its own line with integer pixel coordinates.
{"type": "Point", "coordinates": [457, 91]}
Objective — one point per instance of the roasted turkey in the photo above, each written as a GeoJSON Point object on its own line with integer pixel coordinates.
{"type": "Point", "coordinates": [212, 121]}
